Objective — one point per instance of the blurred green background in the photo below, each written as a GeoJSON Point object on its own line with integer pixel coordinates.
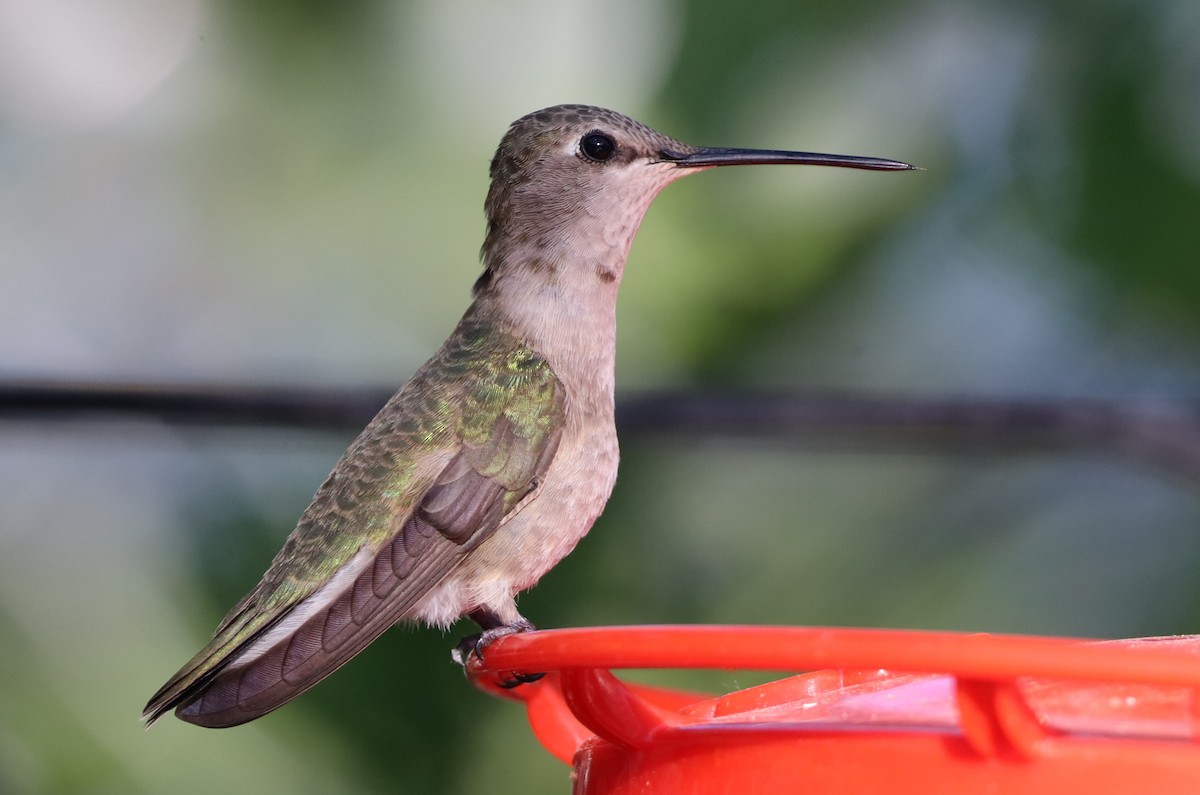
{"type": "Point", "coordinates": [290, 193]}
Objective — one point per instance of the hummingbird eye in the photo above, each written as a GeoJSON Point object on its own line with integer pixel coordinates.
{"type": "Point", "coordinates": [598, 147]}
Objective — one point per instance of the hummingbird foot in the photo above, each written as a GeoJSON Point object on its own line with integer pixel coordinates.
{"type": "Point", "coordinates": [493, 630]}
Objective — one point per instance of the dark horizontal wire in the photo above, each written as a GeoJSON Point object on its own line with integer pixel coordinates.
{"type": "Point", "coordinates": [1160, 433]}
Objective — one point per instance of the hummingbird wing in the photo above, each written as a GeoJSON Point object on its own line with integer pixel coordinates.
{"type": "Point", "coordinates": [442, 466]}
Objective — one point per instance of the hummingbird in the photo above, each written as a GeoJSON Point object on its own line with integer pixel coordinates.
{"type": "Point", "coordinates": [496, 457]}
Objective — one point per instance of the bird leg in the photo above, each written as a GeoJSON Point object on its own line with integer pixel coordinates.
{"type": "Point", "coordinates": [493, 629]}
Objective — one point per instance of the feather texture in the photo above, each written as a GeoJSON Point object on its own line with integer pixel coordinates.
{"type": "Point", "coordinates": [437, 472]}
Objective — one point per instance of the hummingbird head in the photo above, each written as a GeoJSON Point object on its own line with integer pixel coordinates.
{"type": "Point", "coordinates": [572, 181]}
{"type": "Point", "coordinates": [571, 184]}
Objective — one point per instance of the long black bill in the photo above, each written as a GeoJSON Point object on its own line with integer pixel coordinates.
{"type": "Point", "coordinates": [710, 156]}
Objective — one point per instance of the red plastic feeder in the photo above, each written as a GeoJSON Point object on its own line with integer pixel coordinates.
{"type": "Point", "coordinates": [882, 712]}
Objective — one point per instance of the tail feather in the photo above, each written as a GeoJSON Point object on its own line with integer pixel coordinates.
{"type": "Point", "coordinates": [202, 669]}
{"type": "Point", "coordinates": [248, 682]}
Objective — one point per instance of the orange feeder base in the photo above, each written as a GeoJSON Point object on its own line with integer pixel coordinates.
{"type": "Point", "coordinates": [882, 712]}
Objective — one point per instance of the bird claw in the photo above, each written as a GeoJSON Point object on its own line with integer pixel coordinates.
{"type": "Point", "coordinates": [515, 679]}
{"type": "Point", "coordinates": [475, 645]}
{"type": "Point", "coordinates": [465, 648]}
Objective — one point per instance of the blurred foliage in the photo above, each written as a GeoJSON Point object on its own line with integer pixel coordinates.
{"type": "Point", "coordinates": [290, 192]}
